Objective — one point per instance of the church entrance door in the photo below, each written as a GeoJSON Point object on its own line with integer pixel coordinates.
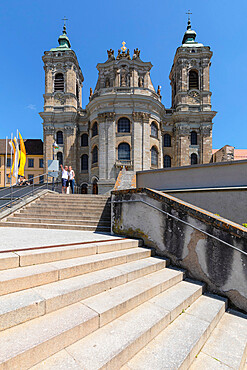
{"type": "Point", "coordinates": [95, 187]}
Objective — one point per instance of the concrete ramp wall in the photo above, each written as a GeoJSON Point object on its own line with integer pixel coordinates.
{"type": "Point", "coordinates": [221, 267]}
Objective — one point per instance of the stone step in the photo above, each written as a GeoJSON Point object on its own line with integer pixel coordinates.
{"type": "Point", "coordinates": [65, 213]}
{"type": "Point", "coordinates": [17, 279]}
{"type": "Point", "coordinates": [58, 220]}
{"type": "Point", "coordinates": [75, 198]}
{"type": "Point", "coordinates": [63, 226]}
{"type": "Point", "coordinates": [8, 260]}
{"type": "Point", "coordinates": [117, 301]}
{"type": "Point", "coordinates": [56, 253]}
{"type": "Point", "coordinates": [16, 308]}
{"type": "Point", "coordinates": [62, 207]}
{"type": "Point", "coordinates": [226, 347]}
{"type": "Point", "coordinates": [31, 342]}
{"type": "Point", "coordinates": [177, 345]}
{"type": "Point", "coordinates": [112, 345]}
{"type": "Point", "coordinates": [88, 217]}
{"type": "Point", "coordinates": [72, 202]}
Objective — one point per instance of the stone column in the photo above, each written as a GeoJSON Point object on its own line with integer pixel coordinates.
{"type": "Point", "coordinates": [160, 137]}
{"type": "Point", "coordinates": [102, 146]}
{"type": "Point", "coordinates": [107, 152]}
{"type": "Point", "coordinates": [70, 145]}
{"type": "Point", "coordinates": [146, 161]}
{"type": "Point", "coordinates": [206, 140]}
{"type": "Point", "coordinates": [140, 141]}
{"type": "Point", "coordinates": [183, 145]}
{"type": "Point", "coordinates": [110, 145]}
{"type": "Point", "coordinates": [136, 142]}
{"type": "Point", "coordinates": [48, 135]}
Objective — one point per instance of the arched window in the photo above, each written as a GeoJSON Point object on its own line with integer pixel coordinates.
{"type": "Point", "coordinates": [167, 161]}
{"type": "Point", "coordinates": [154, 130]}
{"type": "Point", "coordinates": [95, 129]}
{"type": "Point", "coordinates": [193, 80]}
{"type": "Point", "coordinates": [123, 125]}
{"type": "Point", "coordinates": [124, 152]}
{"type": "Point", "coordinates": [95, 155]}
{"type": "Point", "coordinates": [59, 82]}
{"type": "Point", "coordinates": [154, 156]}
{"type": "Point", "coordinates": [84, 162]}
{"type": "Point", "coordinates": [84, 140]}
{"type": "Point", "coordinates": [60, 158]}
{"type": "Point", "coordinates": [59, 137]}
{"type": "Point", "coordinates": [77, 91]}
{"type": "Point", "coordinates": [167, 141]}
{"type": "Point", "coordinates": [193, 138]}
{"type": "Point", "coordinates": [107, 82]}
{"type": "Point", "coordinates": [193, 158]}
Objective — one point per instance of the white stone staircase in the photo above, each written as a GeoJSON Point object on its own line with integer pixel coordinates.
{"type": "Point", "coordinates": [83, 212]}
{"type": "Point", "coordinates": [110, 305]}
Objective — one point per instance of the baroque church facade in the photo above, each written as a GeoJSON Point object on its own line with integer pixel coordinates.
{"type": "Point", "coordinates": [125, 122]}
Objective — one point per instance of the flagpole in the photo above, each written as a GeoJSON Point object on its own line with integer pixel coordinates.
{"type": "Point", "coordinates": [5, 174]}
{"type": "Point", "coordinates": [11, 160]}
{"type": "Point", "coordinates": [17, 146]}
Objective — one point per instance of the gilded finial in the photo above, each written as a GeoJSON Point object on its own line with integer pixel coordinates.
{"type": "Point", "coordinates": [123, 48]}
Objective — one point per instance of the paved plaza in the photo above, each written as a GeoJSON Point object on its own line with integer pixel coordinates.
{"type": "Point", "coordinates": [16, 238]}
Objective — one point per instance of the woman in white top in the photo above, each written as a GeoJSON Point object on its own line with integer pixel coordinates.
{"type": "Point", "coordinates": [71, 174]}
{"type": "Point", "coordinates": [65, 177]}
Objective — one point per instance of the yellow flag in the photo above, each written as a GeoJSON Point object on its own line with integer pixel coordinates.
{"type": "Point", "coordinates": [22, 156]}
{"type": "Point", "coordinates": [13, 164]}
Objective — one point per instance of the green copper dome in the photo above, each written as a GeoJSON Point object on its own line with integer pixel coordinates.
{"type": "Point", "coordinates": [63, 40]}
{"type": "Point", "coordinates": [189, 37]}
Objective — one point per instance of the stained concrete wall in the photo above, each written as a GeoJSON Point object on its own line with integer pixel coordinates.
{"type": "Point", "coordinates": [230, 203]}
{"type": "Point", "coordinates": [221, 267]}
{"type": "Point", "coordinates": [223, 174]}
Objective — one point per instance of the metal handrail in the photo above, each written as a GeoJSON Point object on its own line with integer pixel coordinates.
{"type": "Point", "coordinates": [22, 196]}
{"type": "Point", "coordinates": [19, 188]}
{"type": "Point", "coordinates": [184, 222]}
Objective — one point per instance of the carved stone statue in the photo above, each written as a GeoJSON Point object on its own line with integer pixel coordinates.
{"type": "Point", "coordinates": [123, 78]}
{"type": "Point", "coordinates": [136, 53]}
{"type": "Point", "coordinates": [110, 54]}
{"type": "Point", "coordinates": [159, 90]}
{"type": "Point", "coordinates": [119, 54]}
{"type": "Point", "coordinates": [140, 82]}
{"type": "Point", "coordinates": [91, 92]}
{"type": "Point", "coordinates": [128, 54]}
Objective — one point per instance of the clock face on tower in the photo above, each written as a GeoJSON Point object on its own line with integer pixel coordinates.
{"type": "Point", "coordinates": [195, 95]}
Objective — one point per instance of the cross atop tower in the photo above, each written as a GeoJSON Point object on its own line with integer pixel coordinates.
{"type": "Point", "coordinates": [64, 21]}
{"type": "Point", "coordinates": [64, 25]}
{"type": "Point", "coordinates": [189, 13]}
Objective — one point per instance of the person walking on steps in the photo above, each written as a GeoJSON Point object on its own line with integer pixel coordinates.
{"type": "Point", "coordinates": [65, 177]}
{"type": "Point", "coordinates": [71, 174]}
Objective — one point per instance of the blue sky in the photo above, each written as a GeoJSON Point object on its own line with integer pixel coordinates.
{"type": "Point", "coordinates": [29, 27]}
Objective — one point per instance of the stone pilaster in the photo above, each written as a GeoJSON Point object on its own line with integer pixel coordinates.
{"type": "Point", "coordinates": [206, 140]}
{"type": "Point", "coordinates": [70, 146]}
{"type": "Point", "coordinates": [183, 145]}
{"type": "Point", "coordinates": [140, 141]}
{"type": "Point", "coordinates": [48, 134]}
{"type": "Point", "coordinates": [107, 145]}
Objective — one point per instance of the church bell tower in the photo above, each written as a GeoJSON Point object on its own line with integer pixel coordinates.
{"type": "Point", "coordinates": [62, 101]}
{"type": "Point", "coordinates": [191, 101]}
